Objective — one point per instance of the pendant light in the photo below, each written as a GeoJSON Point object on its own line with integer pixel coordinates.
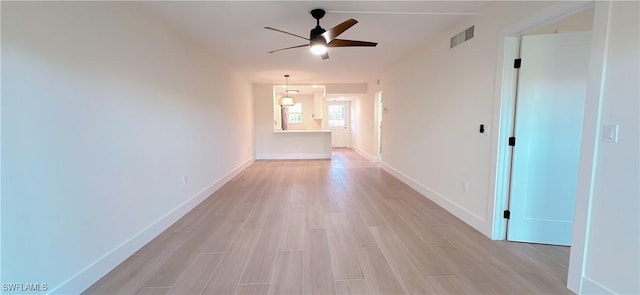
{"type": "Point", "coordinates": [286, 100]}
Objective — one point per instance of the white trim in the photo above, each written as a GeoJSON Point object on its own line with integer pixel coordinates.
{"type": "Point", "coordinates": [467, 216]}
{"type": "Point", "coordinates": [506, 82]}
{"type": "Point", "coordinates": [589, 147]}
{"type": "Point", "coordinates": [103, 265]}
{"type": "Point", "coordinates": [365, 154]}
{"type": "Point", "coordinates": [293, 156]}
{"type": "Point", "coordinates": [590, 286]}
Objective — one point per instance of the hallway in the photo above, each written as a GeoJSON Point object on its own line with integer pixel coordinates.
{"type": "Point", "coordinates": [341, 226]}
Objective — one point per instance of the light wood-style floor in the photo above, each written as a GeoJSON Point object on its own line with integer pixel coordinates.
{"type": "Point", "coordinates": [323, 227]}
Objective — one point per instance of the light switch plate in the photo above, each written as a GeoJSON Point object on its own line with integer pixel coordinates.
{"type": "Point", "coordinates": [610, 133]}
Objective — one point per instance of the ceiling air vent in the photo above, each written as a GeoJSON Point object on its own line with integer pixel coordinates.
{"type": "Point", "coordinates": [462, 37]}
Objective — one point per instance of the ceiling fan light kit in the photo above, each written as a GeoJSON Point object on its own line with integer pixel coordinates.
{"type": "Point", "coordinates": [320, 39]}
{"type": "Point", "coordinates": [318, 46]}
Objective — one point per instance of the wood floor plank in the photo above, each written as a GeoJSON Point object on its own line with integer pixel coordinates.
{"type": "Point", "coordinates": [194, 278]}
{"type": "Point", "coordinates": [261, 211]}
{"type": "Point", "coordinates": [468, 270]}
{"type": "Point", "coordinates": [407, 272]}
{"type": "Point", "coordinates": [288, 274]}
{"type": "Point", "coordinates": [152, 291]}
{"type": "Point", "coordinates": [343, 256]}
{"type": "Point", "coordinates": [220, 241]}
{"type": "Point", "coordinates": [260, 266]}
{"type": "Point", "coordinates": [558, 253]}
{"type": "Point", "coordinates": [316, 214]}
{"type": "Point", "coordinates": [377, 272]}
{"type": "Point", "coordinates": [353, 287]}
{"type": "Point", "coordinates": [318, 273]}
{"type": "Point", "coordinates": [254, 289]}
{"type": "Point", "coordinates": [544, 283]}
{"type": "Point", "coordinates": [427, 233]}
{"type": "Point", "coordinates": [368, 212]}
{"type": "Point", "coordinates": [486, 274]}
{"type": "Point", "coordinates": [170, 269]}
{"type": "Point", "coordinates": [541, 260]}
{"type": "Point", "coordinates": [293, 237]}
{"type": "Point", "coordinates": [450, 285]}
{"type": "Point", "coordinates": [424, 258]}
{"type": "Point", "coordinates": [225, 278]}
{"type": "Point", "coordinates": [359, 230]}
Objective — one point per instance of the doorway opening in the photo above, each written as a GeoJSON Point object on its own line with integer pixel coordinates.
{"type": "Point", "coordinates": [377, 130]}
{"type": "Point", "coordinates": [550, 21]}
{"type": "Point", "coordinates": [338, 122]}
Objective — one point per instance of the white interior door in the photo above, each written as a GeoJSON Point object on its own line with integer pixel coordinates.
{"type": "Point", "coordinates": [548, 130]}
{"type": "Point", "coordinates": [338, 123]}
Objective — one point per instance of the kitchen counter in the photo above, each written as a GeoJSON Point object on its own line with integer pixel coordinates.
{"type": "Point", "coordinates": [296, 144]}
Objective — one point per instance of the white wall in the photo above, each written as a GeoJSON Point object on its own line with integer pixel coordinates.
{"type": "Point", "coordinates": [612, 251]}
{"type": "Point", "coordinates": [362, 124]}
{"type": "Point", "coordinates": [436, 100]}
{"type": "Point", "coordinates": [582, 21]}
{"type": "Point", "coordinates": [104, 110]}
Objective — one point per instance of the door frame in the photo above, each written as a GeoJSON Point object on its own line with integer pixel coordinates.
{"type": "Point", "coordinates": [347, 117]}
{"type": "Point", "coordinates": [503, 114]}
{"type": "Point", "coordinates": [377, 128]}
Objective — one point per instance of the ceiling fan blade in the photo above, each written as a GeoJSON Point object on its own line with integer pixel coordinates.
{"type": "Point", "coordinates": [325, 56]}
{"type": "Point", "coordinates": [402, 12]}
{"type": "Point", "coordinates": [339, 29]}
{"type": "Point", "coordinates": [281, 31]}
{"type": "Point", "coordinates": [292, 47]}
{"type": "Point", "coordinates": [348, 43]}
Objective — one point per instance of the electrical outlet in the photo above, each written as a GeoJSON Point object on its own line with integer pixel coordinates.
{"type": "Point", "coordinates": [465, 186]}
{"type": "Point", "coordinates": [184, 180]}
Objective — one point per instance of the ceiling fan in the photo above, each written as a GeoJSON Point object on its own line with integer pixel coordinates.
{"type": "Point", "coordinates": [319, 38]}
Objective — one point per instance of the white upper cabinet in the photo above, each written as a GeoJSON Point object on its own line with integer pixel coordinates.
{"type": "Point", "coordinates": [318, 106]}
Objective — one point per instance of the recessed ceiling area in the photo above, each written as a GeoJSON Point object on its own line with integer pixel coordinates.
{"type": "Point", "coordinates": [234, 32]}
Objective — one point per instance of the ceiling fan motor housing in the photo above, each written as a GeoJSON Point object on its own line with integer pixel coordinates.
{"type": "Point", "coordinates": [317, 31]}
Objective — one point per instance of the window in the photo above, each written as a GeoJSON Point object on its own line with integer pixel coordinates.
{"type": "Point", "coordinates": [336, 115]}
{"type": "Point", "coordinates": [294, 114]}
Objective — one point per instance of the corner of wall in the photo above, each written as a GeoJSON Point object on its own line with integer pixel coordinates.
{"type": "Point", "coordinates": [365, 154]}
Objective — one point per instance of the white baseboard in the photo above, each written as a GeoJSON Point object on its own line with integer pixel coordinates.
{"type": "Point", "coordinates": [471, 219]}
{"type": "Point", "coordinates": [365, 154]}
{"type": "Point", "coordinates": [293, 156]}
{"type": "Point", "coordinates": [590, 286]}
{"type": "Point", "coordinates": [103, 265]}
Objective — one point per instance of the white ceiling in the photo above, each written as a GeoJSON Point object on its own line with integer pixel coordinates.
{"type": "Point", "coordinates": [234, 31]}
